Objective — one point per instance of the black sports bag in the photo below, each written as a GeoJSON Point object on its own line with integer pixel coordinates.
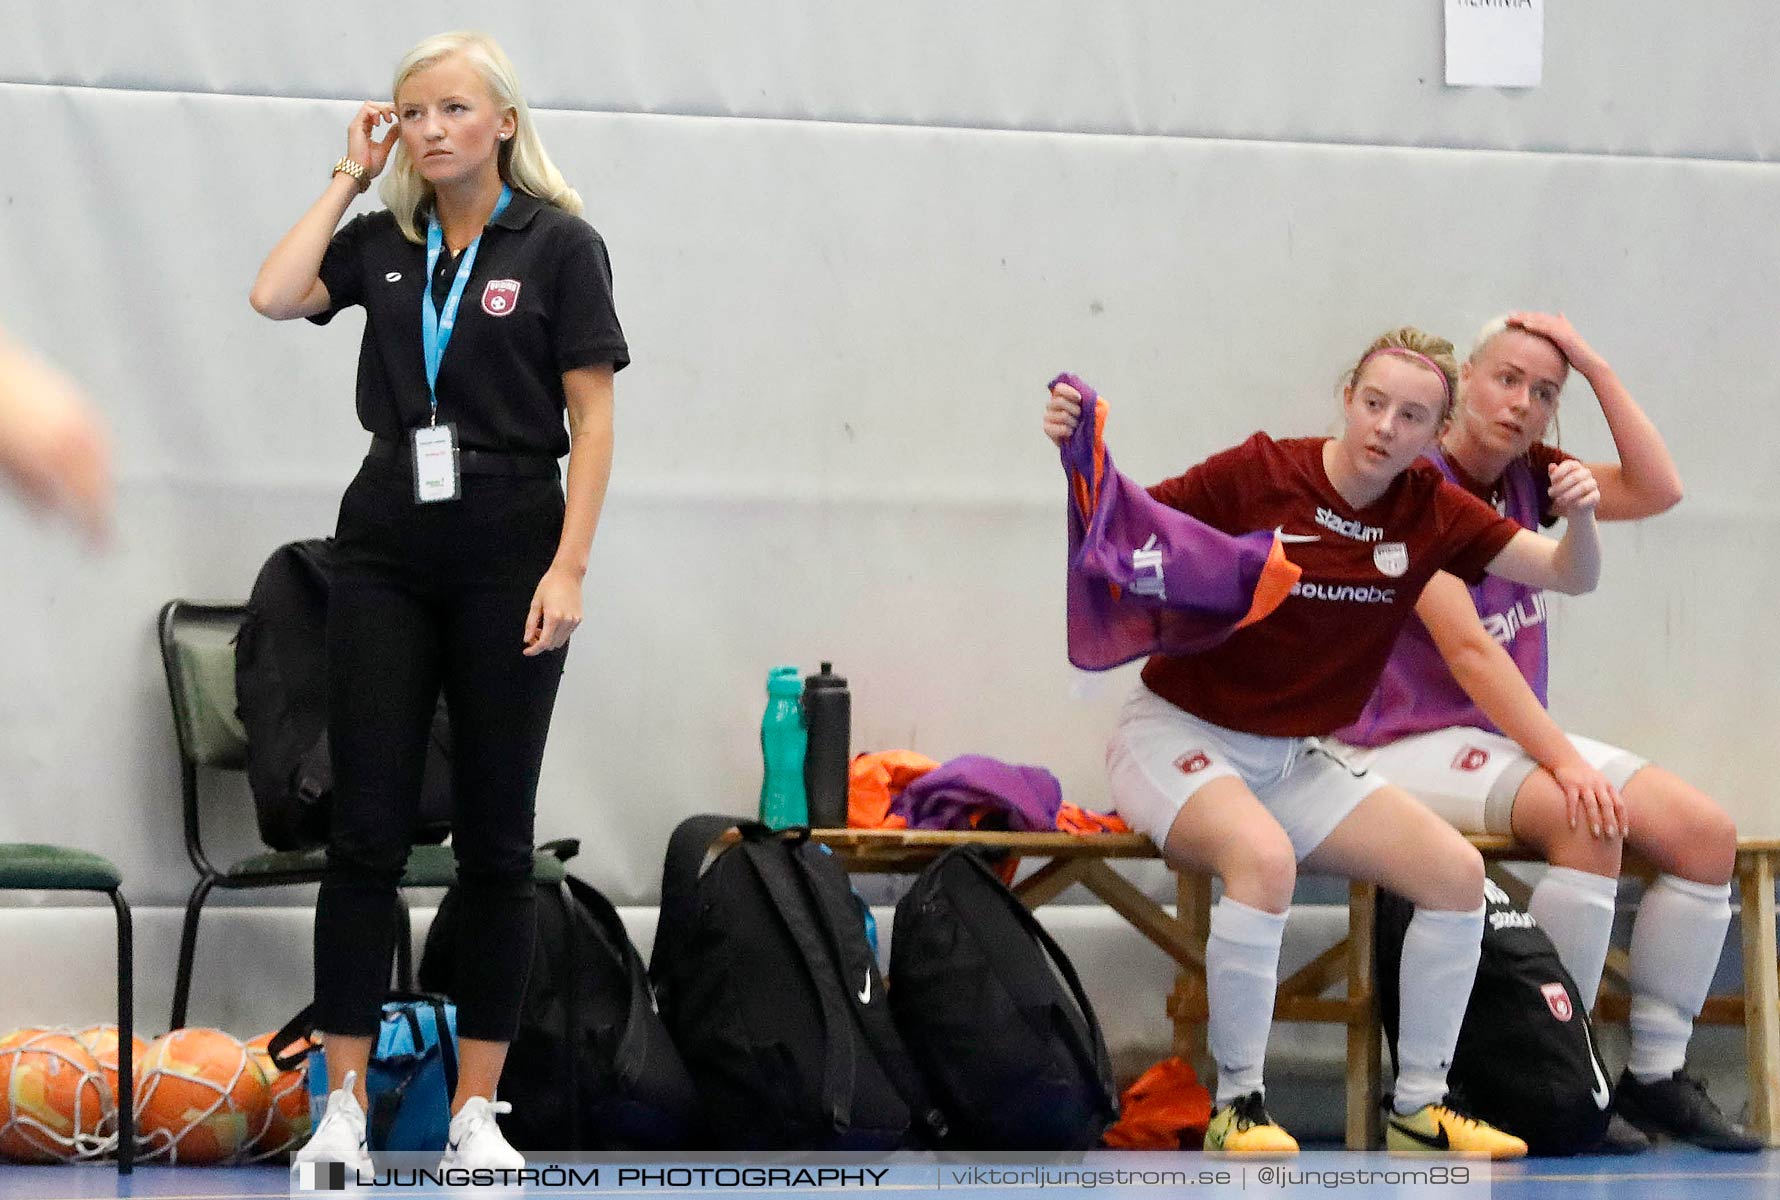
{"type": "Point", "coordinates": [995, 1016]}
{"type": "Point", "coordinates": [281, 690]}
{"type": "Point", "coordinates": [771, 992]}
{"type": "Point", "coordinates": [1526, 1060]}
{"type": "Point", "coordinates": [592, 1066]}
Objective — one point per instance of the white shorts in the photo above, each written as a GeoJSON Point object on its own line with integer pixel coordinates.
{"type": "Point", "coordinates": [1470, 776]}
{"type": "Point", "coordinates": [1162, 754]}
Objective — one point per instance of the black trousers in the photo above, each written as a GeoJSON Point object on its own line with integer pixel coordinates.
{"type": "Point", "coordinates": [431, 596]}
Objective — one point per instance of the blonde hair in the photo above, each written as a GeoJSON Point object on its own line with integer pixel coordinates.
{"type": "Point", "coordinates": [1420, 345]}
{"type": "Point", "coordinates": [1495, 327]}
{"type": "Point", "coordinates": [1492, 329]}
{"type": "Point", "coordinates": [523, 161]}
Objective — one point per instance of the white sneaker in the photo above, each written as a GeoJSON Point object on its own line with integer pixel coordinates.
{"type": "Point", "coordinates": [475, 1142]}
{"type": "Point", "coordinates": [340, 1137]}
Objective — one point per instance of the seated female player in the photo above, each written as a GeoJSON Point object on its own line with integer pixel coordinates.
{"type": "Point", "coordinates": [1217, 759]}
{"type": "Point", "coordinates": [1577, 801]}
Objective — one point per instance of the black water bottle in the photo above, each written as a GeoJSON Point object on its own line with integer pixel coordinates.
{"type": "Point", "coordinates": [828, 714]}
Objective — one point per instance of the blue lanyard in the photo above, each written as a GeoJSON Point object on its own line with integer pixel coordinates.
{"type": "Point", "coordinates": [436, 327]}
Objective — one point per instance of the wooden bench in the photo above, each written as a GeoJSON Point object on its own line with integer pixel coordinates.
{"type": "Point", "coordinates": [1346, 967]}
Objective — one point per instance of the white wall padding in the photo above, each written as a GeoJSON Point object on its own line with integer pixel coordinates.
{"type": "Point", "coordinates": [1635, 77]}
{"type": "Point", "coordinates": [829, 446]}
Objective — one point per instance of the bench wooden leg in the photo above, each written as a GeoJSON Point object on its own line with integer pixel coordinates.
{"type": "Point", "coordinates": [1761, 994]}
{"type": "Point", "coordinates": [1144, 914]}
{"type": "Point", "coordinates": [1050, 881]}
{"type": "Point", "coordinates": [1363, 1042]}
{"type": "Point", "coordinates": [1187, 1007]}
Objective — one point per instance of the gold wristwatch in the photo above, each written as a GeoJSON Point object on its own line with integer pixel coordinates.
{"type": "Point", "coordinates": [351, 166]}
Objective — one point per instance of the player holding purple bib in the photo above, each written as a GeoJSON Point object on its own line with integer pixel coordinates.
{"type": "Point", "coordinates": [1458, 719]}
{"type": "Point", "coordinates": [1218, 756]}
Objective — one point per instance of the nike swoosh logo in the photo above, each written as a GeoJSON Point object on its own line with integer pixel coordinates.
{"type": "Point", "coordinates": [1600, 1094]}
{"type": "Point", "coordinates": [1433, 1143]}
{"type": "Point", "coordinates": [1279, 531]}
{"type": "Point", "coordinates": [864, 993]}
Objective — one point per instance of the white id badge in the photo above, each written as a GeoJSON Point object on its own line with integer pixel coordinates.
{"type": "Point", "coordinates": [435, 463]}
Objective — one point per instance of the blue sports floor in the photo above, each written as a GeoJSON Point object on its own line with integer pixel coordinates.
{"type": "Point", "coordinates": [1664, 1173]}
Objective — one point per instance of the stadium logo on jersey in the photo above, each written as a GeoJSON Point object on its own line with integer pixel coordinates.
{"type": "Point", "coordinates": [1557, 999]}
{"type": "Point", "coordinates": [1471, 758]}
{"type": "Point", "coordinates": [1148, 558]}
{"type": "Point", "coordinates": [1192, 762]}
{"type": "Point", "coordinates": [1506, 626]}
{"type": "Point", "coordinates": [1391, 558]}
{"type": "Point", "coordinates": [500, 297]}
{"type": "Point", "coordinates": [1349, 529]}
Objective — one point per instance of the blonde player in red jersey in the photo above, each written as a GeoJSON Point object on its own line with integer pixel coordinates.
{"type": "Point", "coordinates": [1217, 755]}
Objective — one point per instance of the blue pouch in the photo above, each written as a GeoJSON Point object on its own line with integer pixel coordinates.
{"type": "Point", "coordinates": [412, 1076]}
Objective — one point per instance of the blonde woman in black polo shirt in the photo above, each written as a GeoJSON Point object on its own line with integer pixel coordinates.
{"type": "Point", "coordinates": [488, 315]}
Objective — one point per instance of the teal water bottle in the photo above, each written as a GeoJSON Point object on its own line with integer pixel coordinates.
{"type": "Point", "coordinates": [783, 742]}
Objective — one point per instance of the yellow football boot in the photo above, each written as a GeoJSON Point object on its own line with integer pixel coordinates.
{"type": "Point", "coordinates": [1437, 1129]}
{"type": "Point", "coordinates": [1243, 1127]}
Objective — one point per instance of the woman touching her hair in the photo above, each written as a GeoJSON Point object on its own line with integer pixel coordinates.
{"type": "Point", "coordinates": [1459, 719]}
{"type": "Point", "coordinates": [459, 558]}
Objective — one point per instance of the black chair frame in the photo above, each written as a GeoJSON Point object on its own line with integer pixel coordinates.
{"type": "Point", "coordinates": [209, 876]}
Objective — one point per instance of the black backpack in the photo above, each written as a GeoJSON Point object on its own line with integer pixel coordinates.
{"type": "Point", "coordinates": [1526, 1061]}
{"type": "Point", "coordinates": [994, 1015]}
{"type": "Point", "coordinates": [281, 690]}
{"type": "Point", "coordinates": [770, 990]}
{"type": "Point", "coordinates": [591, 1067]}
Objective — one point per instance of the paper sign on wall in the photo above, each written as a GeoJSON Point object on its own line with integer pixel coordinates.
{"type": "Point", "coordinates": [1494, 43]}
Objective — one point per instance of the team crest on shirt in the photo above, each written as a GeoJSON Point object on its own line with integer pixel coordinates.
{"type": "Point", "coordinates": [1471, 758]}
{"type": "Point", "coordinates": [500, 297]}
{"type": "Point", "coordinates": [1391, 558]}
{"type": "Point", "coordinates": [1192, 762]}
{"type": "Point", "coordinates": [1557, 999]}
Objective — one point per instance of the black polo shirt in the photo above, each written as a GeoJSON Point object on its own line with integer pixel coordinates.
{"type": "Point", "coordinates": [538, 302]}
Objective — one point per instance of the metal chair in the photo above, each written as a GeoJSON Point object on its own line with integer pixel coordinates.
{"type": "Point", "coordinates": [198, 650]}
{"type": "Point", "coordinates": [37, 867]}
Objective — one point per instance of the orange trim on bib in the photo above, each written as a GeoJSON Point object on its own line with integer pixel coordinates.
{"type": "Point", "coordinates": [1278, 578]}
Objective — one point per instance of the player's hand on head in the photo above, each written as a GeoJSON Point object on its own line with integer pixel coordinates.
{"type": "Point", "coordinates": [1556, 328]}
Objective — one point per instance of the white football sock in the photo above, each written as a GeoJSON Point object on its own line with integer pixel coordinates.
{"type": "Point", "coordinates": [1241, 977]}
{"type": "Point", "coordinates": [1439, 966]}
{"type": "Point", "coordinates": [1575, 909]}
